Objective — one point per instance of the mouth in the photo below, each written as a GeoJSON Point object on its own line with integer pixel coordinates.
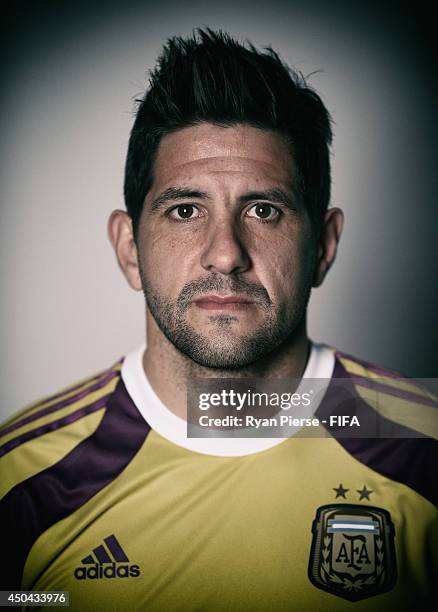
{"type": "Point", "coordinates": [229, 303]}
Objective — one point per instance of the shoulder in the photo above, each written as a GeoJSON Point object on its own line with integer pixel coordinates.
{"type": "Point", "coordinates": [395, 397]}
{"type": "Point", "coordinates": [360, 366]}
{"type": "Point", "coordinates": [48, 429]}
{"type": "Point", "coordinates": [401, 425]}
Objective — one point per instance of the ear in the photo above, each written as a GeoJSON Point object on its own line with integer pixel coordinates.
{"type": "Point", "coordinates": [122, 238]}
{"type": "Point", "coordinates": [328, 244]}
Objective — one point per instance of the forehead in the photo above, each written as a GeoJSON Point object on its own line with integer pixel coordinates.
{"type": "Point", "coordinates": [235, 151]}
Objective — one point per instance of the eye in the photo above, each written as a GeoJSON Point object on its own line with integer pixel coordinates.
{"type": "Point", "coordinates": [263, 212]}
{"type": "Point", "coordinates": [184, 212]}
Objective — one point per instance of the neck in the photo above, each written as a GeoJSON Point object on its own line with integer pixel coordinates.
{"type": "Point", "coordinates": [168, 370]}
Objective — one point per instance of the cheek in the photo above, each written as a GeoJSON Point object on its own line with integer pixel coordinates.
{"type": "Point", "coordinates": [165, 261]}
{"type": "Point", "coordinates": [284, 265]}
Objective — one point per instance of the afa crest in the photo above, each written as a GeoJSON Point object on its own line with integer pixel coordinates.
{"type": "Point", "coordinates": [352, 553]}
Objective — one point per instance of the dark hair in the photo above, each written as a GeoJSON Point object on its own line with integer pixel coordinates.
{"type": "Point", "coordinates": [211, 77]}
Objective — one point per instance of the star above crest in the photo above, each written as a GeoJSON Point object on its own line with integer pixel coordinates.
{"type": "Point", "coordinates": [364, 493]}
{"type": "Point", "coordinates": [340, 491]}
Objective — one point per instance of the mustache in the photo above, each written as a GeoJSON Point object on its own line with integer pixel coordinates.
{"type": "Point", "coordinates": [215, 282]}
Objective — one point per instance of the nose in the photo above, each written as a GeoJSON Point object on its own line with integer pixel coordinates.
{"type": "Point", "coordinates": [224, 251]}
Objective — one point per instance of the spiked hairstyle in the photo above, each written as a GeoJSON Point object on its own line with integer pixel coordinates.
{"type": "Point", "coordinates": [210, 77]}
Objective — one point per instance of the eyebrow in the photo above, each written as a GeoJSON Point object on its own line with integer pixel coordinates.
{"type": "Point", "coordinates": [177, 193]}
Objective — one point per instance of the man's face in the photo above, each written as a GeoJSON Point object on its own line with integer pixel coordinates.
{"type": "Point", "coordinates": [225, 248]}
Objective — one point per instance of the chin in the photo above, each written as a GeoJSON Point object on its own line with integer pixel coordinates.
{"type": "Point", "coordinates": [225, 354]}
{"type": "Point", "coordinates": [221, 362]}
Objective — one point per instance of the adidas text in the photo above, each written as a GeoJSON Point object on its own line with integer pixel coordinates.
{"type": "Point", "coordinates": [96, 572]}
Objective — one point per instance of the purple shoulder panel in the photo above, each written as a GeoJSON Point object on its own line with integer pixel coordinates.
{"type": "Point", "coordinates": [370, 366]}
{"type": "Point", "coordinates": [406, 456]}
{"type": "Point", "coordinates": [99, 382]}
{"type": "Point", "coordinates": [36, 504]}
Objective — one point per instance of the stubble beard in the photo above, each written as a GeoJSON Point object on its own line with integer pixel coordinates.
{"type": "Point", "coordinates": [230, 351]}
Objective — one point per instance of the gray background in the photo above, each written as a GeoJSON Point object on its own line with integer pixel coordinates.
{"type": "Point", "coordinates": [70, 75]}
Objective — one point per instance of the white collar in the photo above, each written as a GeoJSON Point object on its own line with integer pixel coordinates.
{"type": "Point", "coordinates": [319, 366]}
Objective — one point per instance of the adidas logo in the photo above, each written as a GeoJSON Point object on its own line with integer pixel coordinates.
{"type": "Point", "coordinates": [108, 561]}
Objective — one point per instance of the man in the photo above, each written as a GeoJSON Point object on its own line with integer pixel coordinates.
{"type": "Point", "coordinates": [227, 230]}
